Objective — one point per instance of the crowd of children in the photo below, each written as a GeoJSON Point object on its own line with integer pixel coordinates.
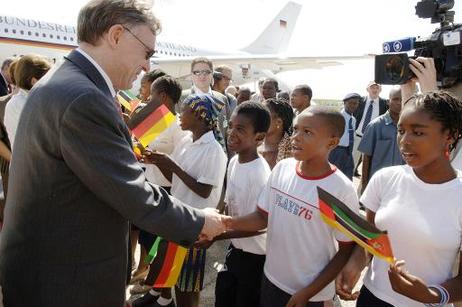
{"type": "Point", "coordinates": [281, 253]}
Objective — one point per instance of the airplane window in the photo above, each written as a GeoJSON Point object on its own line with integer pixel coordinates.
{"type": "Point", "coordinates": [65, 38]}
{"type": "Point", "coordinates": [29, 33]}
{"type": "Point", "coordinates": [6, 30]}
{"type": "Point", "coordinates": [72, 39]}
{"type": "Point", "coordinates": [51, 35]}
{"type": "Point", "coordinates": [44, 35]}
{"type": "Point", "coordinates": [14, 31]}
{"type": "Point", "coordinates": [58, 37]}
{"type": "Point", "coordinates": [36, 34]}
{"type": "Point", "coordinates": [22, 32]}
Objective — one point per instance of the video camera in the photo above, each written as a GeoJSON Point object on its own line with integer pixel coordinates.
{"type": "Point", "coordinates": [444, 46]}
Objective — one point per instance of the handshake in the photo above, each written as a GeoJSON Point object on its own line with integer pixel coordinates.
{"type": "Point", "coordinates": [215, 224]}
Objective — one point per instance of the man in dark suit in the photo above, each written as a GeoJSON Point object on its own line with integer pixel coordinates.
{"type": "Point", "coordinates": [5, 80]}
{"type": "Point", "coordinates": [370, 107]}
{"type": "Point", "coordinates": [74, 180]}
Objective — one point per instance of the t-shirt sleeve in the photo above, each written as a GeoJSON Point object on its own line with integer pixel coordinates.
{"type": "Point", "coordinates": [265, 195]}
{"type": "Point", "coordinates": [213, 175]}
{"type": "Point", "coordinates": [350, 199]}
{"type": "Point", "coordinates": [367, 144]}
{"type": "Point", "coordinates": [371, 196]}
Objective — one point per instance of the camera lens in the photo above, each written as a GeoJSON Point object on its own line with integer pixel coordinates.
{"type": "Point", "coordinates": [395, 68]}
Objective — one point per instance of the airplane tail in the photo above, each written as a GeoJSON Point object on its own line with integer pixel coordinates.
{"type": "Point", "coordinates": [275, 38]}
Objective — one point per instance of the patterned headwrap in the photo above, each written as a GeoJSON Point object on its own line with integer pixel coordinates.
{"type": "Point", "coordinates": [208, 109]}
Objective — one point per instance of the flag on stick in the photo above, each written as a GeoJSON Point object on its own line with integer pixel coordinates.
{"type": "Point", "coordinates": [149, 122]}
{"type": "Point", "coordinates": [339, 216]}
{"type": "Point", "coordinates": [166, 259]}
{"type": "Point", "coordinates": [128, 100]}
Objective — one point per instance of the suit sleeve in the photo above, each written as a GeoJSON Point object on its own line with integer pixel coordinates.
{"type": "Point", "coordinates": [95, 144]}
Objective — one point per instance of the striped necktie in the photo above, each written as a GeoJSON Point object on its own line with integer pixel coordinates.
{"type": "Point", "coordinates": [368, 117]}
{"type": "Point", "coordinates": [350, 135]}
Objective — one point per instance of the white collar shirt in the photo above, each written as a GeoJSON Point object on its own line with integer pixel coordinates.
{"type": "Point", "coordinates": [204, 160]}
{"type": "Point", "coordinates": [100, 70]}
{"type": "Point", "coordinates": [13, 110]}
{"type": "Point", "coordinates": [375, 113]}
{"type": "Point", "coordinates": [344, 140]}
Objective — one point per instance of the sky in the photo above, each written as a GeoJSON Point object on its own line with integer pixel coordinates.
{"type": "Point", "coordinates": [324, 28]}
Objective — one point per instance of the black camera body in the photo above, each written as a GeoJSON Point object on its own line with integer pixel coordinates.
{"type": "Point", "coordinates": [444, 45]}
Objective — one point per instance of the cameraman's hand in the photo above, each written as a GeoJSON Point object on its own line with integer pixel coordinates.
{"type": "Point", "coordinates": [425, 71]}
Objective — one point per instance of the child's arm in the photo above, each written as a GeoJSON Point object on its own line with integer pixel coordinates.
{"type": "Point", "coordinates": [351, 272]}
{"type": "Point", "coordinates": [231, 234]}
{"type": "Point", "coordinates": [326, 276]}
{"type": "Point", "coordinates": [417, 289]}
{"type": "Point", "coordinates": [240, 227]}
{"type": "Point", "coordinates": [365, 171]}
{"type": "Point", "coordinates": [255, 221]}
{"type": "Point", "coordinates": [168, 167]}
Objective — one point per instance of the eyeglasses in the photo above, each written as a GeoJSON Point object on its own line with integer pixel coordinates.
{"type": "Point", "coordinates": [149, 51]}
{"type": "Point", "coordinates": [204, 72]}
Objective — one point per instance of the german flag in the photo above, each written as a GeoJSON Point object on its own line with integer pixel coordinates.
{"type": "Point", "coordinates": [166, 259]}
{"type": "Point", "coordinates": [128, 100]}
{"type": "Point", "coordinates": [339, 216]}
{"type": "Point", "coordinates": [147, 123]}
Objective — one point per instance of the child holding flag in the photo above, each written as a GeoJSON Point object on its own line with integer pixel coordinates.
{"type": "Point", "coordinates": [419, 205]}
{"type": "Point", "coordinates": [197, 170]}
{"type": "Point", "coordinates": [302, 258]}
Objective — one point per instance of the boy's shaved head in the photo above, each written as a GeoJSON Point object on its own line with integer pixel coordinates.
{"type": "Point", "coordinates": [334, 119]}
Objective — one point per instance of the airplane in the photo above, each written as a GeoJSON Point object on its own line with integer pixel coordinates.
{"type": "Point", "coordinates": [264, 57]}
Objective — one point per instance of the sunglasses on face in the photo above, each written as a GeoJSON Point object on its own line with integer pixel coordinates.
{"type": "Point", "coordinates": [149, 51]}
{"type": "Point", "coordinates": [204, 72]}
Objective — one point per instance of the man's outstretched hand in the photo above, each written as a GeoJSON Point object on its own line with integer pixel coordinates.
{"type": "Point", "coordinates": [215, 223]}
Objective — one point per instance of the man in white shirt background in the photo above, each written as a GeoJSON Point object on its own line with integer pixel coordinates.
{"type": "Point", "coordinates": [341, 156]}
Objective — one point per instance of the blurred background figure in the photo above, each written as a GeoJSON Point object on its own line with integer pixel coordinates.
{"type": "Point", "coordinates": [300, 98]}
{"type": "Point", "coordinates": [29, 69]}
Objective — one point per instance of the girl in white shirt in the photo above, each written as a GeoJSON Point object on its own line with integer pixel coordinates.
{"type": "Point", "coordinates": [196, 170]}
{"type": "Point", "coordinates": [420, 206]}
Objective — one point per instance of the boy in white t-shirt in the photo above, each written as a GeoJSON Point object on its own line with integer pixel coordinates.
{"type": "Point", "coordinates": [238, 283]}
{"type": "Point", "coordinates": [302, 258]}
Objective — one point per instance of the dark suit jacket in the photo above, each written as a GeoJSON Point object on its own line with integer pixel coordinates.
{"type": "Point", "coordinates": [383, 107]}
{"type": "Point", "coordinates": [3, 86]}
{"type": "Point", "coordinates": [74, 184]}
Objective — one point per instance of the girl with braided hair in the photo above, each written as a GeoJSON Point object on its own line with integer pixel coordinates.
{"type": "Point", "coordinates": [196, 169]}
{"type": "Point", "coordinates": [419, 205]}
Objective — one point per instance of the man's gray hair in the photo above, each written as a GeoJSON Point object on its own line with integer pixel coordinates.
{"type": "Point", "coordinates": [98, 16]}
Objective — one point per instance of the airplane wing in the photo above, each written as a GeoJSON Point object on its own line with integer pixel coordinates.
{"type": "Point", "coordinates": [247, 67]}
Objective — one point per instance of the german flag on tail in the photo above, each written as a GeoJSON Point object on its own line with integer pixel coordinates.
{"type": "Point", "coordinates": [128, 100]}
{"type": "Point", "coordinates": [147, 123]}
{"type": "Point", "coordinates": [166, 260]}
{"type": "Point", "coordinates": [339, 216]}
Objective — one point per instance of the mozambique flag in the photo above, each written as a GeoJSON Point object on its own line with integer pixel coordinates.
{"type": "Point", "coordinates": [339, 216]}
{"type": "Point", "coordinates": [128, 100]}
{"type": "Point", "coordinates": [147, 123]}
{"type": "Point", "coordinates": [166, 259]}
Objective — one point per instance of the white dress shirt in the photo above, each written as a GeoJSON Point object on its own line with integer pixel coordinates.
{"type": "Point", "coordinates": [344, 140]}
{"type": "Point", "coordinates": [100, 70]}
{"type": "Point", "coordinates": [13, 112]}
{"type": "Point", "coordinates": [375, 113]}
